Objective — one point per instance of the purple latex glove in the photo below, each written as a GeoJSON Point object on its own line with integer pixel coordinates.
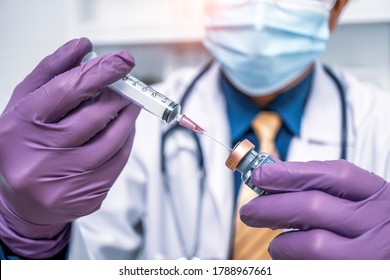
{"type": "Point", "coordinates": [341, 210]}
{"type": "Point", "coordinates": [62, 146]}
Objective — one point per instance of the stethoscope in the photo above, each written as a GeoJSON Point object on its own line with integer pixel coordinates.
{"type": "Point", "coordinates": [199, 156]}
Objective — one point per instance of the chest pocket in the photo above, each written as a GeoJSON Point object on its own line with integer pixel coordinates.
{"type": "Point", "coordinates": [302, 149]}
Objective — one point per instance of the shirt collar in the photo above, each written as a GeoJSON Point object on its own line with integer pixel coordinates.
{"type": "Point", "coordinates": [289, 105]}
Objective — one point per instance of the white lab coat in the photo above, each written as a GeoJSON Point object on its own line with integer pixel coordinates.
{"type": "Point", "coordinates": [136, 220]}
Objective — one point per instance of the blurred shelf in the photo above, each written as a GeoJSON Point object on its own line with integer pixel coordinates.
{"type": "Point", "coordinates": [366, 11]}
{"type": "Point", "coordinates": [129, 22]}
{"type": "Point", "coordinates": [146, 35]}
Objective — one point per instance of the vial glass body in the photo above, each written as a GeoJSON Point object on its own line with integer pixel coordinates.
{"type": "Point", "coordinates": [248, 164]}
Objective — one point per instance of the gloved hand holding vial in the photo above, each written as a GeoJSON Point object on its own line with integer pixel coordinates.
{"type": "Point", "coordinates": [339, 210]}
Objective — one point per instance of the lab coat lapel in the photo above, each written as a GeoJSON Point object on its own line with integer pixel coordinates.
{"type": "Point", "coordinates": [321, 122]}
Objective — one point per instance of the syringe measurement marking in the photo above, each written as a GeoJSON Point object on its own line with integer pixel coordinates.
{"type": "Point", "coordinates": [145, 88]}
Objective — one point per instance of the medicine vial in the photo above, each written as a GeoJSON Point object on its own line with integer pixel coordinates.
{"type": "Point", "coordinates": [245, 159]}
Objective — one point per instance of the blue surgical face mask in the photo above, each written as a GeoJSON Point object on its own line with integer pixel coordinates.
{"type": "Point", "coordinates": [263, 47]}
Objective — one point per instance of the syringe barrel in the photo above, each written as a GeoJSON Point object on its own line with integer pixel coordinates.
{"type": "Point", "coordinates": [147, 98]}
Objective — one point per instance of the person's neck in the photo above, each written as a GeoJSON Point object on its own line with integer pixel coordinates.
{"type": "Point", "coordinates": [264, 101]}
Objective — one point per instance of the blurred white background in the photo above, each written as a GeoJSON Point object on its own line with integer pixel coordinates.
{"type": "Point", "coordinates": [164, 35]}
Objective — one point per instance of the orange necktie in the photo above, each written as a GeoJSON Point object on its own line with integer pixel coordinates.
{"type": "Point", "coordinates": [252, 243]}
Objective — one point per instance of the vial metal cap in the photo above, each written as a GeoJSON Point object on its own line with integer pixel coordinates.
{"type": "Point", "coordinates": [238, 153]}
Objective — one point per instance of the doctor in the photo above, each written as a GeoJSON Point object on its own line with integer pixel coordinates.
{"type": "Point", "coordinates": [175, 198]}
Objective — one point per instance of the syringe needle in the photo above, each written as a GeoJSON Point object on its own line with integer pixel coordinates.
{"type": "Point", "coordinates": [191, 125]}
{"type": "Point", "coordinates": [220, 143]}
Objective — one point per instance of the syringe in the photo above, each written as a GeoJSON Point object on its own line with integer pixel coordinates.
{"type": "Point", "coordinates": [156, 103]}
{"type": "Point", "coordinates": [153, 101]}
